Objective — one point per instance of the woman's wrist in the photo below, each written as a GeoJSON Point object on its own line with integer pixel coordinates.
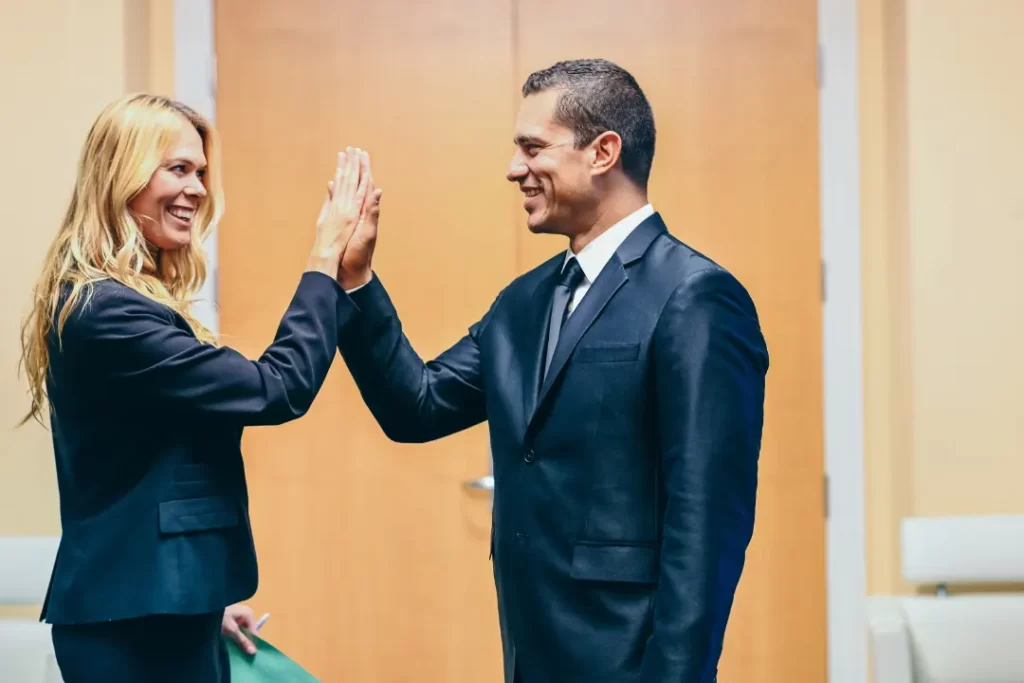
{"type": "Point", "coordinates": [324, 261]}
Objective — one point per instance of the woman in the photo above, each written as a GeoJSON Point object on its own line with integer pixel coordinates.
{"type": "Point", "coordinates": [147, 411]}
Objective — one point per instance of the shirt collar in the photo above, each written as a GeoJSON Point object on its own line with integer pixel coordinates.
{"type": "Point", "coordinates": [595, 256]}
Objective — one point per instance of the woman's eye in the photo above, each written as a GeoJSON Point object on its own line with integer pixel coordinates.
{"type": "Point", "coordinates": [178, 168]}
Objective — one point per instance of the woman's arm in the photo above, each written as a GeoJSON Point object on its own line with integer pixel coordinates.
{"type": "Point", "coordinates": [137, 347]}
{"type": "Point", "coordinates": [133, 347]}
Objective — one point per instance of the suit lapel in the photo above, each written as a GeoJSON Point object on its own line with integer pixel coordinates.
{"type": "Point", "coordinates": [610, 281]}
{"type": "Point", "coordinates": [612, 277]}
{"type": "Point", "coordinates": [533, 333]}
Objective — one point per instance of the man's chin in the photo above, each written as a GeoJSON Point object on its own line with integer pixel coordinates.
{"type": "Point", "coordinates": [539, 226]}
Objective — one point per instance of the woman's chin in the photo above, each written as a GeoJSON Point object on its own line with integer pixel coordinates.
{"type": "Point", "coordinates": [172, 240]}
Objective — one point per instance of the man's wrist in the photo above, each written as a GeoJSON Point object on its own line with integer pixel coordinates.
{"type": "Point", "coordinates": [351, 283]}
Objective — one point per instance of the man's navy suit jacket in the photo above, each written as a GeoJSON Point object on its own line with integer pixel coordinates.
{"type": "Point", "coordinates": [625, 480]}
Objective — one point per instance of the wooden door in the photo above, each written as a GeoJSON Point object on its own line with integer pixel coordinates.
{"type": "Point", "coordinates": [732, 85]}
{"type": "Point", "coordinates": [373, 558]}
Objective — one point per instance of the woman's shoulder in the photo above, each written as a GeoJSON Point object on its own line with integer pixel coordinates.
{"type": "Point", "coordinates": [107, 302]}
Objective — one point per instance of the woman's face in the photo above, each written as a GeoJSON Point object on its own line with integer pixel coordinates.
{"type": "Point", "coordinates": [166, 207]}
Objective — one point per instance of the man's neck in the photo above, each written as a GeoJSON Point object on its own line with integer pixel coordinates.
{"type": "Point", "coordinates": [608, 214]}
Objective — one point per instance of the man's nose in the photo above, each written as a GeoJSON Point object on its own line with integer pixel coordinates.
{"type": "Point", "coordinates": [517, 169]}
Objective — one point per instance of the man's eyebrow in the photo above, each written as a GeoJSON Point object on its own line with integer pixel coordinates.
{"type": "Point", "coordinates": [526, 140]}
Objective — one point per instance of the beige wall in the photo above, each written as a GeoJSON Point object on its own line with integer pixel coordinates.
{"type": "Point", "coordinates": [63, 61]}
{"type": "Point", "coordinates": [942, 105]}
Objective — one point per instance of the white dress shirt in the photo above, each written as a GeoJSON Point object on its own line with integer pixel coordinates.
{"type": "Point", "coordinates": [595, 256]}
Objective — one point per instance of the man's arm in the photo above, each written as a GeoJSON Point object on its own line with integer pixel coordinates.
{"type": "Point", "coordinates": [710, 365]}
{"type": "Point", "coordinates": [412, 401]}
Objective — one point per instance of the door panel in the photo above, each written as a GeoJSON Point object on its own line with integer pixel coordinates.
{"type": "Point", "coordinates": [373, 559]}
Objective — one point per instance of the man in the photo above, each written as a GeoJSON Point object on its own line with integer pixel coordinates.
{"type": "Point", "coordinates": [625, 439]}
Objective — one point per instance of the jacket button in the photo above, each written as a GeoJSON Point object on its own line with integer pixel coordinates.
{"type": "Point", "coordinates": [530, 456]}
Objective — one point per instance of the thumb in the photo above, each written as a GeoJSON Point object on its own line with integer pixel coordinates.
{"type": "Point", "coordinates": [323, 210]}
{"type": "Point", "coordinates": [373, 216]}
{"type": "Point", "coordinates": [327, 203]}
{"type": "Point", "coordinates": [368, 223]}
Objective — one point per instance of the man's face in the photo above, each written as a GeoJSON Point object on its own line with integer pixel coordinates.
{"type": "Point", "coordinates": [553, 175]}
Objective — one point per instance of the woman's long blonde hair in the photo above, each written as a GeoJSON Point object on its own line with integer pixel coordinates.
{"type": "Point", "coordinates": [100, 239]}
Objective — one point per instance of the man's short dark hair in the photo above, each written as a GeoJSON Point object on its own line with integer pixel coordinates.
{"type": "Point", "coordinates": [599, 96]}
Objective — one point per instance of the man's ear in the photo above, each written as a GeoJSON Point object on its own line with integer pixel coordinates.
{"type": "Point", "coordinates": [606, 150]}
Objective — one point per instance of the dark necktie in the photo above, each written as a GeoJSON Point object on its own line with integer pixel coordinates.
{"type": "Point", "coordinates": [572, 275]}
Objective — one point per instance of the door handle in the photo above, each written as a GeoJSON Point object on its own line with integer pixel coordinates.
{"type": "Point", "coordinates": [484, 483]}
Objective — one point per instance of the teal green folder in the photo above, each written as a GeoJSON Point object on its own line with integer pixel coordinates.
{"type": "Point", "coordinates": [268, 665]}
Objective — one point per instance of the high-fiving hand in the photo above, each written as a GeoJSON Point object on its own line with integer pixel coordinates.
{"type": "Point", "coordinates": [340, 213]}
{"type": "Point", "coordinates": [356, 266]}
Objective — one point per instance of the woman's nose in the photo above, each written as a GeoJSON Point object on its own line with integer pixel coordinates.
{"type": "Point", "coordinates": [196, 188]}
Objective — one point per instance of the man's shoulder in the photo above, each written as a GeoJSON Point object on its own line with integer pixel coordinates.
{"type": "Point", "coordinates": [670, 261]}
{"type": "Point", "coordinates": [683, 260]}
{"type": "Point", "coordinates": [675, 265]}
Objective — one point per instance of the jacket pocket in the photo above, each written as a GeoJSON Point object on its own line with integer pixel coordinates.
{"type": "Point", "coordinates": [198, 514]}
{"type": "Point", "coordinates": [607, 353]}
{"type": "Point", "coordinates": [609, 562]}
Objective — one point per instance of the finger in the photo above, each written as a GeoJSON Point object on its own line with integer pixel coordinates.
{"type": "Point", "coordinates": [247, 645]}
{"type": "Point", "coordinates": [370, 188]}
{"type": "Point", "coordinates": [339, 170]}
{"type": "Point", "coordinates": [330, 188]}
{"type": "Point", "coordinates": [356, 176]}
{"type": "Point", "coordinates": [365, 165]}
{"type": "Point", "coordinates": [364, 180]}
{"type": "Point", "coordinates": [348, 179]}
{"type": "Point", "coordinates": [231, 630]}
{"type": "Point", "coordinates": [369, 197]}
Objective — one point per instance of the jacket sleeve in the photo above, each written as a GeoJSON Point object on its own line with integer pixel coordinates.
{"type": "Point", "coordinates": [138, 348]}
{"type": "Point", "coordinates": [413, 401]}
{"type": "Point", "coordinates": [710, 362]}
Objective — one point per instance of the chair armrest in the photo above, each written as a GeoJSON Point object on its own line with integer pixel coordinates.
{"type": "Point", "coordinates": [891, 656]}
{"type": "Point", "coordinates": [26, 652]}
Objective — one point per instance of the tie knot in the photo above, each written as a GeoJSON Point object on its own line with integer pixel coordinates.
{"type": "Point", "coordinates": [572, 275]}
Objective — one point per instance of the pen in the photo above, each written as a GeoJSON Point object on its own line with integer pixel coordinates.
{"type": "Point", "coordinates": [263, 620]}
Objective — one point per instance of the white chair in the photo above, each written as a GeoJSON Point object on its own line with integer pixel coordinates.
{"type": "Point", "coordinates": [942, 638]}
{"type": "Point", "coordinates": [26, 651]}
